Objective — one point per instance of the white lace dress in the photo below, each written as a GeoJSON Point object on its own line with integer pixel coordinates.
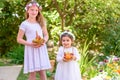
{"type": "Point", "coordinates": [35, 59]}
{"type": "Point", "coordinates": [67, 70]}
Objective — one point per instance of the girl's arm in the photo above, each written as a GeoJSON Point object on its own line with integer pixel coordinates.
{"type": "Point", "coordinates": [59, 57]}
{"type": "Point", "coordinates": [24, 42]}
{"type": "Point", "coordinates": [20, 38]}
{"type": "Point", "coordinates": [45, 33]}
{"type": "Point", "coordinates": [76, 54]}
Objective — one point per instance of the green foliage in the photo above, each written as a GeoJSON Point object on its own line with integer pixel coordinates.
{"type": "Point", "coordinates": [108, 69]}
{"type": "Point", "coordinates": [5, 62]}
{"type": "Point", "coordinates": [84, 17]}
{"type": "Point", "coordinates": [67, 11]}
{"type": "Point", "coordinates": [1, 4]}
{"type": "Point", "coordinates": [94, 16]}
{"type": "Point", "coordinates": [87, 61]}
{"type": "Point", "coordinates": [52, 55]}
{"type": "Point", "coordinates": [111, 40]}
{"type": "Point", "coordinates": [53, 25]}
{"type": "Point", "coordinates": [93, 20]}
{"type": "Point", "coordinates": [16, 55]}
{"type": "Point", "coordinates": [22, 76]}
{"type": "Point", "coordinates": [9, 22]}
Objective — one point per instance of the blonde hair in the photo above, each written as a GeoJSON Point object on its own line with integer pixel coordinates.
{"type": "Point", "coordinates": [40, 18]}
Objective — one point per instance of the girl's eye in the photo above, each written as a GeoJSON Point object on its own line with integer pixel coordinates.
{"type": "Point", "coordinates": [63, 40]}
{"type": "Point", "coordinates": [31, 9]}
{"type": "Point", "coordinates": [34, 10]}
{"type": "Point", "coordinates": [67, 40]}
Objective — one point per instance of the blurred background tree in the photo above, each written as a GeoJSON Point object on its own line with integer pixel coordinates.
{"type": "Point", "coordinates": [91, 20]}
{"type": "Point", "coordinates": [95, 23]}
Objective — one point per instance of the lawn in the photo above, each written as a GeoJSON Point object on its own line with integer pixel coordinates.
{"type": "Point", "coordinates": [5, 62]}
{"type": "Point", "coordinates": [25, 76]}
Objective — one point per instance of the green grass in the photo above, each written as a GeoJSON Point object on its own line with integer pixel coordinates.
{"type": "Point", "coordinates": [5, 62]}
{"type": "Point", "coordinates": [2, 64]}
{"type": "Point", "coordinates": [23, 76]}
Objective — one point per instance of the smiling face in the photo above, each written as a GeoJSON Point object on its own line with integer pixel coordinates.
{"type": "Point", "coordinates": [33, 11]}
{"type": "Point", "coordinates": [66, 41]}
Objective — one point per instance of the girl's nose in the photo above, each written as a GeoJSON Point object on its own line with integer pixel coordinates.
{"type": "Point", "coordinates": [34, 12]}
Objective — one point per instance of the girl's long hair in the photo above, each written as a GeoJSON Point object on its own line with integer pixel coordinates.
{"type": "Point", "coordinates": [40, 18]}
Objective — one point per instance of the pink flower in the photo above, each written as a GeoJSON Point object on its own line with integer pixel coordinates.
{"type": "Point", "coordinates": [33, 4]}
{"type": "Point", "coordinates": [105, 60]}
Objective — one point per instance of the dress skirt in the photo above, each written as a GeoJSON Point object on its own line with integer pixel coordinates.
{"type": "Point", "coordinates": [36, 59]}
{"type": "Point", "coordinates": [68, 71]}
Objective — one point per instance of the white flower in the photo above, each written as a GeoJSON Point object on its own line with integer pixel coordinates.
{"type": "Point", "coordinates": [37, 4]}
{"type": "Point", "coordinates": [68, 33]}
{"type": "Point", "coordinates": [30, 4]}
{"type": "Point", "coordinates": [101, 76]}
{"type": "Point", "coordinates": [34, 4]}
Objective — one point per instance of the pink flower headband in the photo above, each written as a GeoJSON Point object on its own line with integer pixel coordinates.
{"type": "Point", "coordinates": [33, 4]}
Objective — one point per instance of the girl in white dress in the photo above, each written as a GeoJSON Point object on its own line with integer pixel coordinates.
{"type": "Point", "coordinates": [67, 57]}
{"type": "Point", "coordinates": [35, 55]}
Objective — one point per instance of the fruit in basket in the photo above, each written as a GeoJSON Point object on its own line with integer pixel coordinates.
{"type": "Point", "coordinates": [68, 56]}
{"type": "Point", "coordinates": [38, 39]}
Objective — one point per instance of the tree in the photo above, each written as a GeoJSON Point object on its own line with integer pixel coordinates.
{"type": "Point", "coordinates": [9, 21]}
{"type": "Point", "coordinates": [67, 10]}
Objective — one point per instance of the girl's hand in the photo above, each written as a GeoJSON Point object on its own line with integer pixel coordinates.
{"type": "Point", "coordinates": [66, 60]}
{"type": "Point", "coordinates": [73, 58]}
{"type": "Point", "coordinates": [35, 45]}
{"type": "Point", "coordinates": [43, 42]}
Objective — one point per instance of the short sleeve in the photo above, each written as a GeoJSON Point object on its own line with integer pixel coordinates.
{"type": "Point", "coordinates": [22, 26]}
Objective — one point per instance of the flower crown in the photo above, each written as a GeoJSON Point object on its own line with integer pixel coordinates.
{"type": "Point", "coordinates": [68, 33]}
{"type": "Point", "coordinates": [33, 4]}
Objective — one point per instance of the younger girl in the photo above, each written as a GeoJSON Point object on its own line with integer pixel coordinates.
{"type": "Point", "coordinates": [35, 55]}
{"type": "Point", "coordinates": [67, 57]}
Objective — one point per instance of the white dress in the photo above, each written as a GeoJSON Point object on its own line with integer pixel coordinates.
{"type": "Point", "coordinates": [35, 59]}
{"type": "Point", "coordinates": [67, 70]}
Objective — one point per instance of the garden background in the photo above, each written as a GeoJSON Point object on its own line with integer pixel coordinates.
{"type": "Point", "coordinates": [95, 23]}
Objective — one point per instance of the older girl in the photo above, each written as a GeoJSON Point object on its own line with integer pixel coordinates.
{"type": "Point", "coordinates": [35, 55]}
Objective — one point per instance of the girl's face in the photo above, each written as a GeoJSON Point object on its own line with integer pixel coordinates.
{"type": "Point", "coordinates": [33, 11]}
{"type": "Point", "coordinates": [66, 42]}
